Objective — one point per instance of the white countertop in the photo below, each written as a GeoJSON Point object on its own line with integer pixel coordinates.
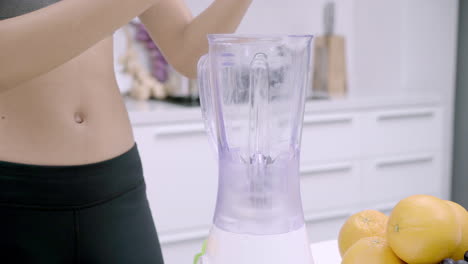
{"type": "Point", "coordinates": [151, 112]}
{"type": "Point", "coordinates": [326, 252]}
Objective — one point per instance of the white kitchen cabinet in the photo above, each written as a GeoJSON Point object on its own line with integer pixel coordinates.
{"type": "Point", "coordinates": [325, 229]}
{"type": "Point", "coordinates": [354, 156]}
{"type": "Point", "coordinates": [329, 137]}
{"type": "Point", "coordinates": [352, 159]}
{"type": "Point", "coordinates": [392, 178]}
{"type": "Point", "coordinates": [403, 130]}
{"type": "Point", "coordinates": [329, 186]}
{"type": "Point", "coordinates": [181, 175]}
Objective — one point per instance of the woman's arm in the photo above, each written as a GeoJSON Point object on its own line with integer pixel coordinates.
{"type": "Point", "coordinates": [37, 42]}
{"type": "Point", "coordinates": [183, 39]}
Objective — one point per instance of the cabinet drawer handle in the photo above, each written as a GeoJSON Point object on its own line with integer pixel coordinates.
{"type": "Point", "coordinates": [404, 161]}
{"type": "Point", "coordinates": [179, 130]}
{"type": "Point", "coordinates": [314, 120]}
{"type": "Point", "coordinates": [406, 115]}
{"type": "Point", "coordinates": [310, 170]}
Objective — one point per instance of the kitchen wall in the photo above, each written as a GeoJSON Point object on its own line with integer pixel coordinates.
{"type": "Point", "coordinates": [280, 16]}
{"type": "Point", "coordinates": [400, 44]}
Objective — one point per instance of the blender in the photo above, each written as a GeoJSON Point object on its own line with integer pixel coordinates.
{"type": "Point", "coordinates": [252, 94]}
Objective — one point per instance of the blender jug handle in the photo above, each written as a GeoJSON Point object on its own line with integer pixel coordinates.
{"type": "Point", "coordinates": [259, 131]}
{"type": "Point", "coordinates": [206, 99]}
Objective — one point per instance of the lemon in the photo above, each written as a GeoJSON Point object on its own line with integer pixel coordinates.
{"type": "Point", "coordinates": [367, 223]}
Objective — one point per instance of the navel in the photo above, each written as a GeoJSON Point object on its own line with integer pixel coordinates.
{"type": "Point", "coordinates": [79, 117]}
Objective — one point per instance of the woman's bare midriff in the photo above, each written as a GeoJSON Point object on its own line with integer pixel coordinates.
{"type": "Point", "coordinates": [69, 116]}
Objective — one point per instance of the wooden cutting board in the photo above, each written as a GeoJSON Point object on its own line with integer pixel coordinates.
{"type": "Point", "coordinates": [329, 77]}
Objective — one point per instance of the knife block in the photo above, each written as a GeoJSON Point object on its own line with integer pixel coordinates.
{"type": "Point", "coordinates": [329, 75]}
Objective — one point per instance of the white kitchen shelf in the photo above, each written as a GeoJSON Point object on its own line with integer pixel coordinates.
{"type": "Point", "coordinates": [152, 112]}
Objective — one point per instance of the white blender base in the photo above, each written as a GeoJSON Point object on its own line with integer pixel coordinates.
{"type": "Point", "coordinates": [230, 248]}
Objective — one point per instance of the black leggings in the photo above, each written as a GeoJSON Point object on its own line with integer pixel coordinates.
{"type": "Point", "coordinates": [89, 214]}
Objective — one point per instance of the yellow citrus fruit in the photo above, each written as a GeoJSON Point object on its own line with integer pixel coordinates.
{"type": "Point", "coordinates": [367, 223]}
{"type": "Point", "coordinates": [371, 250]}
{"type": "Point", "coordinates": [423, 229]}
{"type": "Point", "coordinates": [462, 217]}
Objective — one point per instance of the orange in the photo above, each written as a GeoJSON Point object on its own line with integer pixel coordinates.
{"type": "Point", "coordinates": [367, 223]}
{"type": "Point", "coordinates": [462, 217]}
{"type": "Point", "coordinates": [371, 250]}
{"type": "Point", "coordinates": [423, 229]}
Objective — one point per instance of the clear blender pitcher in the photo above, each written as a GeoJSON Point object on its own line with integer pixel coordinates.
{"type": "Point", "coordinates": [252, 92]}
